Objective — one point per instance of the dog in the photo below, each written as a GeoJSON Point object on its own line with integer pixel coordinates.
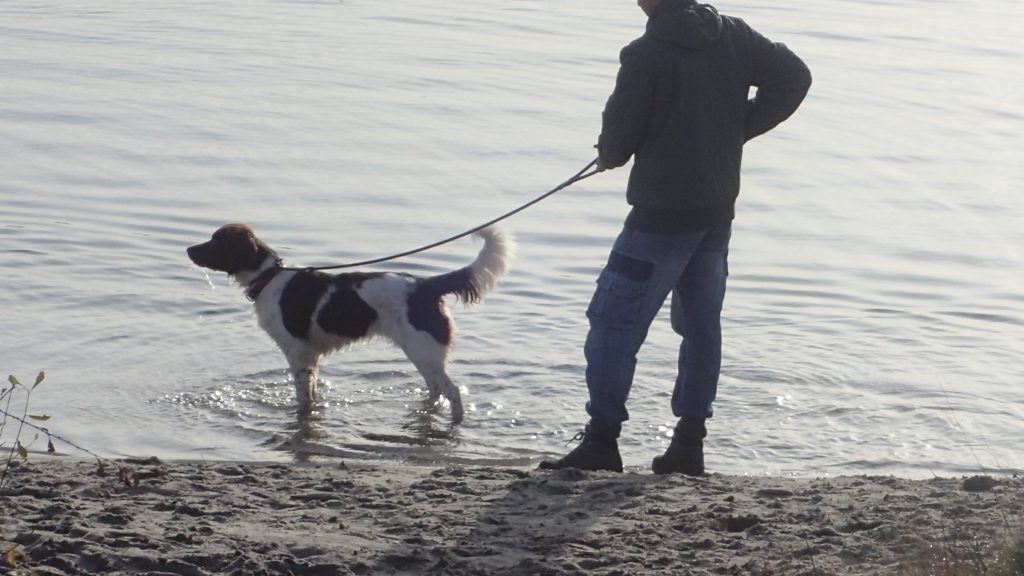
{"type": "Point", "coordinates": [310, 313]}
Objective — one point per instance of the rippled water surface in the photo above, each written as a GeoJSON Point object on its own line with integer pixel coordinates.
{"type": "Point", "coordinates": [875, 316]}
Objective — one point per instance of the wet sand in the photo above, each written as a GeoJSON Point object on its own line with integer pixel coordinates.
{"type": "Point", "coordinates": [199, 518]}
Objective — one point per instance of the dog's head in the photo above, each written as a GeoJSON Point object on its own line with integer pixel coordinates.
{"type": "Point", "coordinates": [233, 248]}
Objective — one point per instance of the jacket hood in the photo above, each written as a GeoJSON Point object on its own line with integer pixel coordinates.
{"type": "Point", "coordinates": [685, 23]}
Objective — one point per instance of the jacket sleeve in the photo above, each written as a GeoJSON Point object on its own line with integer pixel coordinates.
{"type": "Point", "coordinates": [782, 80]}
{"type": "Point", "coordinates": [626, 115]}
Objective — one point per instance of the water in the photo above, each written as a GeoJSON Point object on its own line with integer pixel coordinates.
{"type": "Point", "coordinates": [874, 319]}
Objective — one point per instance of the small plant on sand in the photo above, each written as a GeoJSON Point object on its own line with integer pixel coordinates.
{"type": "Point", "coordinates": [125, 474]}
{"type": "Point", "coordinates": [17, 448]}
{"type": "Point", "coordinates": [14, 403]}
{"type": "Point", "coordinates": [962, 554]}
{"type": "Point", "coordinates": [1012, 561]}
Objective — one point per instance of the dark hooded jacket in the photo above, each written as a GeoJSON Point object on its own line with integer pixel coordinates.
{"type": "Point", "coordinates": [682, 109]}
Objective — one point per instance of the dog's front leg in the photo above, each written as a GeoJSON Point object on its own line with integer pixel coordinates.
{"type": "Point", "coordinates": [304, 369]}
{"type": "Point", "coordinates": [305, 385]}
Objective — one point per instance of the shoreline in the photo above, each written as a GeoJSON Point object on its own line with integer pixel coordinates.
{"type": "Point", "coordinates": [198, 518]}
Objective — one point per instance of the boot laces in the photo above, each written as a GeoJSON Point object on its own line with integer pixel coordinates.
{"type": "Point", "coordinates": [577, 438]}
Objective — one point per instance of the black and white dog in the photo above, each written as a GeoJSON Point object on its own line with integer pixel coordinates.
{"type": "Point", "coordinates": [311, 313]}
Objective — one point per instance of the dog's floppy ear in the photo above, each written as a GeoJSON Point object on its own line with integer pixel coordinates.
{"type": "Point", "coordinates": [259, 250]}
{"type": "Point", "coordinates": [246, 247]}
{"type": "Point", "coordinates": [241, 241]}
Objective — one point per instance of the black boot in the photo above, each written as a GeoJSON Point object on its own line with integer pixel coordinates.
{"type": "Point", "coordinates": [686, 452]}
{"type": "Point", "coordinates": [598, 450]}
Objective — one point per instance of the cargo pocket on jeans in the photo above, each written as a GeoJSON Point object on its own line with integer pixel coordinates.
{"type": "Point", "coordinates": [617, 301]}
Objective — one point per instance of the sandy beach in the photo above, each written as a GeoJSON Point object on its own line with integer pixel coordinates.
{"type": "Point", "coordinates": [195, 518]}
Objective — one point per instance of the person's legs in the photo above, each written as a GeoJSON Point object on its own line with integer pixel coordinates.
{"type": "Point", "coordinates": [642, 269]}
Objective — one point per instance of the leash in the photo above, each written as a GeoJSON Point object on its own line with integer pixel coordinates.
{"type": "Point", "coordinates": [582, 174]}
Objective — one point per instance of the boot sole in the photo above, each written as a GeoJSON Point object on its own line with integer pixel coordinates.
{"type": "Point", "coordinates": [549, 465]}
{"type": "Point", "coordinates": [660, 467]}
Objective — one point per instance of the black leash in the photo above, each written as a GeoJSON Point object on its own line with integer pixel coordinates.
{"type": "Point", "coordinates": [582, 174]}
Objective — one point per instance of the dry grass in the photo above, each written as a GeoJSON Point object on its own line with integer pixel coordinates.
{"type": "Point", "coordinates": [963, 554]}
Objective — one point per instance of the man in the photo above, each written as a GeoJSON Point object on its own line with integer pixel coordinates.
{"type": "Point", "coordinates": [681, 108]}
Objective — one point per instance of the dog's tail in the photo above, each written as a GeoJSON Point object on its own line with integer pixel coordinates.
{"type": "Point", "coordinates": [472, 283]}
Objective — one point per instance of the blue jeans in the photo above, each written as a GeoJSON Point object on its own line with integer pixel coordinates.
{"type": "Point", "coordinates": [641, 271]}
